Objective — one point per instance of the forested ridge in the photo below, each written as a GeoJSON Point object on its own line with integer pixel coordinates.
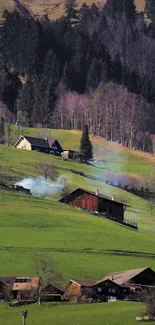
{"type": "Point", "coordinates": [94, 66]}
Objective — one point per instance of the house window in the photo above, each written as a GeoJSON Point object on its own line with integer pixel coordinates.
{"type": "Point", "coordinates": [112, 290]}
{"type": "Point", "coordinates": [99, 289]}
{"type": "Point", "coordinates": [112, 298]}
{"type": "Point", "coordinates": [23, 280]}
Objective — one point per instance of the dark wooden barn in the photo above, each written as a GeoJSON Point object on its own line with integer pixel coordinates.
{"type": "Point", "coordinates": [97, 203]}
{"type": "Point", "coordinates": [103, 290]}
{"type": "Point", "coordinates": [52, 293]}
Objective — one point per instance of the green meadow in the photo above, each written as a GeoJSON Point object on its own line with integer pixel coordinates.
{"type": "Point", "coordinates": [85, 246]}
{"type": "Point", "coordinates": [114, 313]}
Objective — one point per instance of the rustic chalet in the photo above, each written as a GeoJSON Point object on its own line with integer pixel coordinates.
{"type": "Point", "coordinates": [115, 286]}
{"type": "Point", "coordinates": [97, 203]}
{"type": "Point", "coordinates": [25, 288]}
{"type": "Point", "coordinates": [46, 145]}
{"type": "Point", "coordinates": [136, 278]}
{"type": "Point", "coordinates": [104, 290]}
{"type": "Point", "coordinates": [75, 289]}
{"type": "Point", "coordinates": [133, 281]}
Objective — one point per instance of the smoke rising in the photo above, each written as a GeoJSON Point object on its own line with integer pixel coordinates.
{"type": "Point", "coordinates": [42, 187]}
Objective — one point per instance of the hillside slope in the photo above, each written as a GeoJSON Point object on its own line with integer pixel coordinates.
{"type": "Point", "coordinates": [29, 223]}
{"type": "Point", "coordinates": [54, 8]}
{"type": "Point", "coordinates": [117, 159]}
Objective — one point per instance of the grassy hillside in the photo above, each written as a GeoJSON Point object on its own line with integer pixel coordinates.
{"type": "Point", "coordinates": [85, 246]}
{"type": "Point", "coordinates": [54, 8]}
{"type": "Point", "coordinates": [113, 313]}
{"type": "Point", "coordinates": [28, 223]}
{"type": "Point", "coordinates": [117, 159]}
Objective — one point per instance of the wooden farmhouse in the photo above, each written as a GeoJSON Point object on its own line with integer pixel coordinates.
{"type": "Point", "coordinates": [134, 279]}
{"type": "Point", "coordinates": [25, 288]}
{"type": "Point", "coordinates": [46, 145]}
{"type": "Point", "coordinates": [97, 203]}
{"type": "Point", "coordinates": [104, 290]}
{"type": "Point", "coordinates": [116, 286]}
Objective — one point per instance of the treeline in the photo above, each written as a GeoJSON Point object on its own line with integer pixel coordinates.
{"type": "Point", "coordinates": [94, 66]}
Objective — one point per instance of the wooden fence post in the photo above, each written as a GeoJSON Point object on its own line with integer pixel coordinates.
{"type": "Point", "coordinates": [24, 316]}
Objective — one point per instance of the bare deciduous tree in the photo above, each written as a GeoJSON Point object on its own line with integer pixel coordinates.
{"type": "Point", "coordinates": [151, 203]}
{"type": "Point", "coordinates": [65, 191]}
{"type": "Point", "coordinates": [45, 266]}
{"type": "Point", "coordinates": [148, 297]}
{"type": "Point", "coordinates": [47, 169]}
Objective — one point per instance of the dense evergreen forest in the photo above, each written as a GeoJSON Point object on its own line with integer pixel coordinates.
{"type": "Point", "coordinates": [94, 66]}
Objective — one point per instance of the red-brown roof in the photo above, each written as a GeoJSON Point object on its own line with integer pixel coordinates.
{"type": "Point", "coordinates": [84, 283]}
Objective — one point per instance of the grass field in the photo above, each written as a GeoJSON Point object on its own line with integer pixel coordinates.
{"type": "Point", "coordinates": [85, 246]}
{"type": "Point", "coordinates": [28, 223]}
{"type": "Point", "coordinates": [117, 313]}
{"type": "Point", "coordinates": [54, 8]}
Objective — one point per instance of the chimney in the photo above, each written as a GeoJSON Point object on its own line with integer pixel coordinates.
{"type": "Point", "coordinates": [113, 198]}
{"type": "Point", "coordinates": [97, 192]}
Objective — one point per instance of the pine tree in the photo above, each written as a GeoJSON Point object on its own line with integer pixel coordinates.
{"type": "Point", "coordinates": [85, 144]}
{"type": "Point", "coordinates": [26, 100]}
{"type": "Point", "coordinates": [96, 73]}
{"type": "Point", "coordinates": [2, 131]}
{"type": "Point", "coordinates": [126, 7]}
{"type": "Point", "coordinates": [70, 8]}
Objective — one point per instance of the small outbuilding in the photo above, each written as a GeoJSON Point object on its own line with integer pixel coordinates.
{"type": "Point", "coordinates": [25, 288]}
{"type": "Point", "coordinates": [74, 155]}
{"type": "Point", "coordinates": [52, 293]}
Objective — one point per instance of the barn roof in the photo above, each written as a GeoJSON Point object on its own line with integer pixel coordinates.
{"type": "Point", "coordinates": [50, 287]}
{"type": "Point", "coordinates": [84, 283]}
{"type": "Point", "coordinates": [123, 277]}
{"type": "Point", "coordinates": [106, 280]}
{"type": "Point", "coordinates": [99, 195]}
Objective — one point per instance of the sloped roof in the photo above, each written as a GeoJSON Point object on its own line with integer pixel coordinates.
{"type": "Point", "coordinates": [84, 283]}
{"type": "Point", "coordinates": [123, 277]}
{"type": "Point", "coordinates": [51, 140]}
{"type": "Point", "coordinates": [33, 283]}
{"type": "Point", "coordinates": [50, 289]}
{"type": "Point", "coordinates": [38, 142]}
{"type": "Point", "coordinates": [99, 195]}
{"type": "Point", "coordinates": [106, 280]}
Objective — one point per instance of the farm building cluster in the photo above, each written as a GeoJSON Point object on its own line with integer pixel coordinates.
{"type": "Point", "coordinates": [123, 285]}
{"type": "Point", "coordinates": [47, 145]}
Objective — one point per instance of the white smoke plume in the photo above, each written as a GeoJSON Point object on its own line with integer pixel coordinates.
{"type": "Point", "coordinates": [41, 186]}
